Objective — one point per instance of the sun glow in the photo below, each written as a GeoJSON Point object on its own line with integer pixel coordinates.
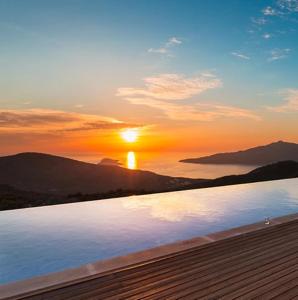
{"type": "Point", "coordinates": [131, 161]}
{"type": "Point", "coordinates": [130, 135]}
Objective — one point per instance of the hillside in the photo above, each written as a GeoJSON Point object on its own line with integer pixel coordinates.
{"type": "Point", "coordinates": [261, 155]}
{"type": "Point", "coordinates": [12, 198]}
{"type": "Point", "coordinates": [280, 170]}
{"type": "Point", "coordinates": [45, 173]}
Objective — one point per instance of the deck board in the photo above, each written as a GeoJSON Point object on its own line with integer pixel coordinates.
{"type": "Point", "coordinates": [260, 264]}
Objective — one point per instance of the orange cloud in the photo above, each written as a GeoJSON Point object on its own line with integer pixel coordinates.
{"type": "Point", "coordinates": [53, 121]}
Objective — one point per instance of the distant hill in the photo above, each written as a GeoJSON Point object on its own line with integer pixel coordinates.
{"type": "Point", "coordinates": [12, 198]}
{"type": "Point", "coordinates": [261, 155]}
{"type": "Point", "coordinates": [279, 170]}
{"type": "Point", "coordinates": [50, 174]}
{"type": "Point", "coordinates": [109, 162]}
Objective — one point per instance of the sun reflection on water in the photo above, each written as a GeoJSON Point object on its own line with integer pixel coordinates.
{"type": "Point", "coordinates": [131, 160]}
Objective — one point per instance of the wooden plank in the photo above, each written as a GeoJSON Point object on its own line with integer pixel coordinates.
{"type": "Point", "coordinates": [277, 281]}
{"type": "Point", "coordinates": [223, 278]}
{"type": "Point", "coordinates": [286, 290]}
{"type": "Point", "coordinates": [259, 277]}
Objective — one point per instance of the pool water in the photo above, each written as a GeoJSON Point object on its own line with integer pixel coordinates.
{"type": "Point", "coordinates": [36, 241]}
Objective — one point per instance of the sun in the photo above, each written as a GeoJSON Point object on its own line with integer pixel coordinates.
{"type": "Point", "coordinates": [130, 135]}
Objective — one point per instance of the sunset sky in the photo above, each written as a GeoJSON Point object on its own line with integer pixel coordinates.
{"type": "Point", "coordinates": [201, 76]}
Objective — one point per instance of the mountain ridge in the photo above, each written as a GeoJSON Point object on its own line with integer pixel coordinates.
{"type": "Point", "coordinates": [260, 155]}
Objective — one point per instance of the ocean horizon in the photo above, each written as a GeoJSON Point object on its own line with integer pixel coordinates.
{"type": "Point", "coordinates": [167, 163]}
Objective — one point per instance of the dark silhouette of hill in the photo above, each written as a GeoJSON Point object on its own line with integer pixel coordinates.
{"type": "Point", "coordinates": [279, 170]}
{"type": "Point", "coordinates": [51, 174]}
{"type": "Point", "coordinates": [261, 155]}
{"type": "Point", "coordinates": [11, 198]}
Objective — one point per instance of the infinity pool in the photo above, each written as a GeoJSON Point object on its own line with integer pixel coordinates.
{"type": "Point", "coordinates": [37, 241]}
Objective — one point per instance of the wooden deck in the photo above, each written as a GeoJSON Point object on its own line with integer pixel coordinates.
{"type": "Point", "coordinates": [244, 263]}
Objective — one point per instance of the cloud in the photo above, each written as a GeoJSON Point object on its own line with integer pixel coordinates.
{"type": "Point", "coordinates": [277, 54]}
{"type": "Point", "coordinates": [278, 13]}
{"type": "Point", "coordinates": [288, 5]}
{"type": "Point", "coordinates": [240, 55]}
{"type": "Point", "coordinates": [173, 41]}
{"type": "Point", "coordinates": [158, 50]}
{"type": "Point", "coordinates": [290, 102]}
{"type": "Point", "coordinates": [281, 8]}
{"type": "Point", "coordinates": [208, 74]}
{"type": "Point", "coordinates": [166, 47]}
{"type": "Point", "coordinates": [79, 106]}
{"type": "Point", "coordinates": [53, 121]}
{"type": "Point", "coordinates": [171, 87]}
{"type": "Point", "coordinates": [267, 36]}
{"type": "Point", "coordinates": [259, 21]}
{"type": "Point", "coordinates": [269, 11]}
{"type": "Point", "coordinates": [204, 112]}
{"type": "Point", "coordinates": [162, 92]}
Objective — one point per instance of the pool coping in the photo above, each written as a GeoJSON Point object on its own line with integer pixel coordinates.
{"type": "Point", "coordinates": [38, 284]}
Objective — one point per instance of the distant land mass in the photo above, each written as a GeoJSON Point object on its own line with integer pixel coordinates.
{"type": "Point", "coordinates": [110, 162]}
{"type": "Point", "coordinates": [280, 170]}
{"type": "Point", "coordinates": [261, 155]}
{"type": "Point", "coordinates": [31, 179]}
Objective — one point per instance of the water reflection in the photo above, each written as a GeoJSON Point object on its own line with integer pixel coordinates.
{"type": "Point", "coordinates": [215, 204]}
{"type": "Point", "coordinates": [131, 161]}
{"type": "Point", "coordinates": [169, 207]}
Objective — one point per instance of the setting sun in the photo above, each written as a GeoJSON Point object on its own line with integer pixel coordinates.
{"type": "Point", "coordinates": [130, 135]}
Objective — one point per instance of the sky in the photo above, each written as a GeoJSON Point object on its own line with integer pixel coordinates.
{"type": "Point", "coordinates": [192, 75]}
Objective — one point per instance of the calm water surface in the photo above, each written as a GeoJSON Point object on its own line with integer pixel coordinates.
{"type": "Point", "coordinates": [168, 164]}
{"type": "Point", "coordinates": [40, 240]}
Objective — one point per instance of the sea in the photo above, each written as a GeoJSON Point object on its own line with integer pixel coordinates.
{"type": "Point", "coordinates": [167, 163]}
